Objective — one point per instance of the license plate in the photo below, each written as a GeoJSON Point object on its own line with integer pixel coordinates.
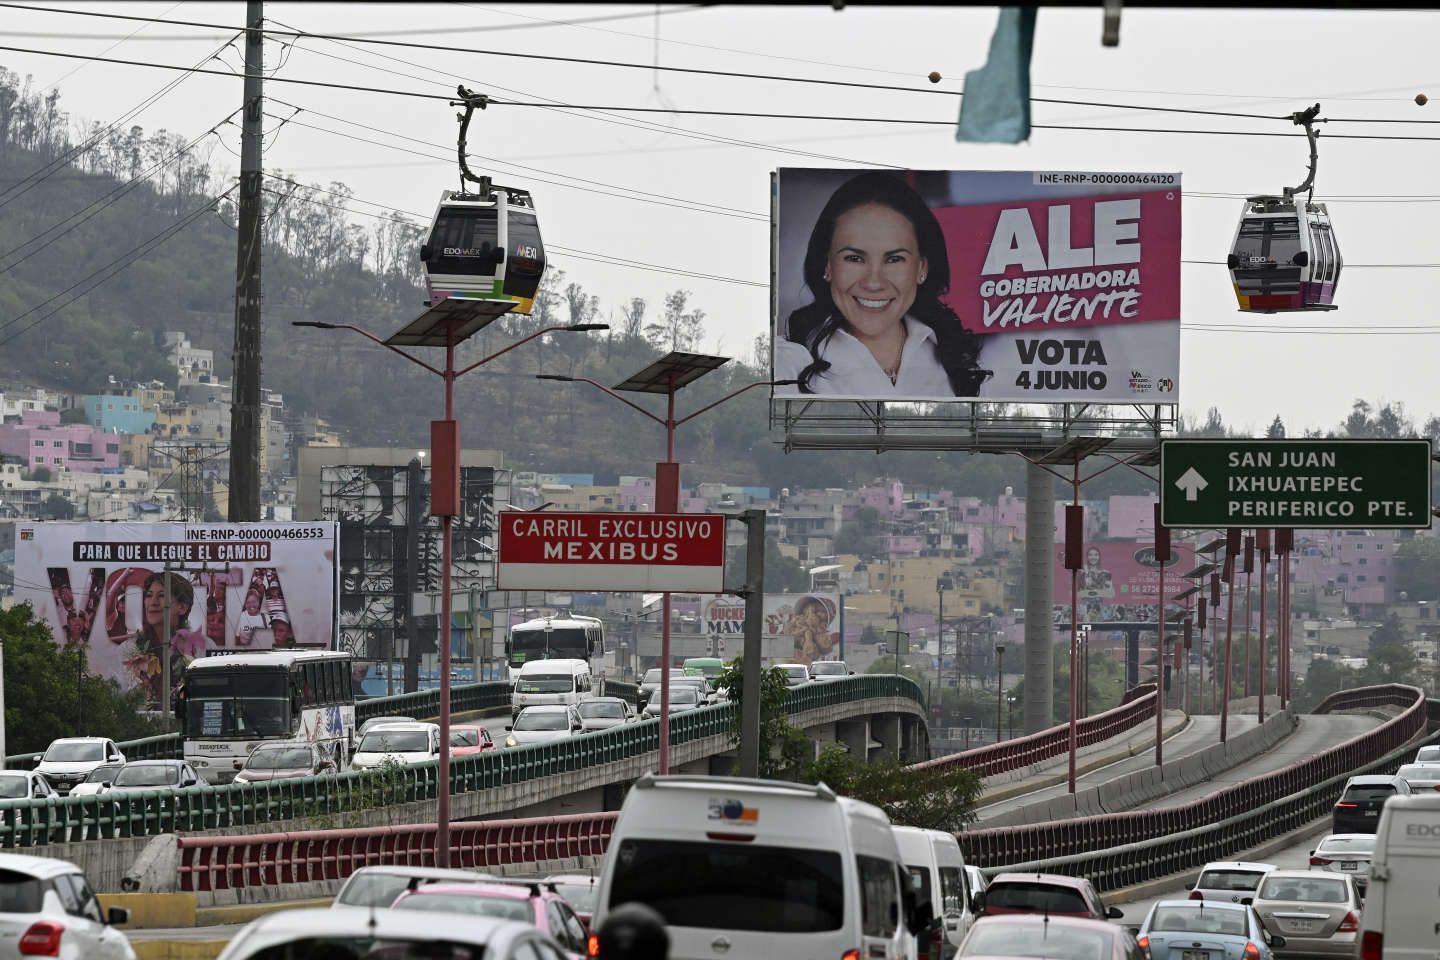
{"type": "Point", "coordinates": [1372, 813]}
{"type": "Point", "coordinates": [1349, 865]}
{"type": "Point", "coordinates": [1301, 926]}
{"type": "Point", "coordinates": [1193, 955]}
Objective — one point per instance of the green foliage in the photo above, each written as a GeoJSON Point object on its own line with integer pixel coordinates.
{"type": "Point", "coordinates": [860, 536]}
{"type": "Point", "coordinates": [48, 694]}
{"type": "Point", "coordinates": [1417, 568]}
{"type": "Point", "coordinates": [40, 475]}
{"type": "Point", "coordinates": [935, 798]}
{"type": "Point", "coordinates": [1322, 678]}
{"type": "Point", "coordinates": [1390, 633]}
{"type": "Point", "coordinates": [783, 746]}
{"type": "Point", "coordinates": [56, 507]}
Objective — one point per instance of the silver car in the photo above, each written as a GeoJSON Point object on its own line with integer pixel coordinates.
{"type": "Point", "coordinates": [352, 932]}
{"type": "Point", "coordinates": [24, 785]}
{"type": "Point", "coordinates": [138, 775]}
{"type": "Point", "coordinates": [602, 713]}
{"type": "Point", "coordinates": [1345, 853]}
{"type": "Point", "coordinates": [1318, 914]}
{"type": "Point", "coordinates": [682, 698]}
{"type": "Point", "coordinates": [1420, 776]}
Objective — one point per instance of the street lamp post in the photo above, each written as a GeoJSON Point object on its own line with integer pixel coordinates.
{"type": "Point", "coordinates": [667, 375]}
{"type": "Point", "coordinates": [1010, 699]}
{"type": "Point", "coordinates": [999, 686]}
{"type": "Point", "coordinates": [445, 488]}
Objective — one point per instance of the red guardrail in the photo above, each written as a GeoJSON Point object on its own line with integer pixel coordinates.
{"type": "Point", "coordinates": [1020, 752]}
{"type": "Point", "coordinates": [267, 859]}
{"type": "Point", "coordinates": [1000, 846]}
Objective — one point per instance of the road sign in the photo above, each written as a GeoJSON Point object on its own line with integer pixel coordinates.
{"type": "Point", "coordinates": [1324, 484]}
{"type": "Point", "coordinates": [682, 552]}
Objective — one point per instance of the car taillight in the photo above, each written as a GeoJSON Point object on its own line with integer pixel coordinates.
{"type": "Point", "coordinates": [1252, 952]}
{"type": "Point", "coordinates": [855, 955]}
{"type": "Point", "coordinates": [1350, 924]}
{"type": "Point", "coordinates": [1144, 943]}
{"type": "Point", "coordinates": [592, 946]}
{"type": "Point", "coordinates": [1318, 861]}
{"type": "Point", "coordinates": [42, 939]}
{"type": "Point", "coordinates": [933, 943]}
{"type": "Point", "coordinates": [1346, 806]}
{"type": "Point", "coordinates": [1372, 943]}
{"type": "Point", "coordinates": [1196, 895]}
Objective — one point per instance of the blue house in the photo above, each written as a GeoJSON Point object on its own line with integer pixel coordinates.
{"type": "Point", "coordinates": [117, 414]}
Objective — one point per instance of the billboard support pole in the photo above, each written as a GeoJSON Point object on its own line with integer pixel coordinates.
{"type": "Point", "coordinates": [1039, 599]}
{"type": "Point", "coordinates": [1263, 535]}
{"type": "Point", "coordinates": [754, 627]}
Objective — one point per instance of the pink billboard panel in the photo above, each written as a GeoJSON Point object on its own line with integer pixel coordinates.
{"type": "Point", "coordinates": [1015, 286]}
{"type": "Point", "coordinates": [1120, 582]}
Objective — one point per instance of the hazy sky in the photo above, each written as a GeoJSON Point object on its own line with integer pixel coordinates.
{"type": "Point", "coordinates": [707, 207]}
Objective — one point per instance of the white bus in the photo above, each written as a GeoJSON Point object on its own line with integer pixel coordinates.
{"type": "Point", "coordinates": [571, 637]}
{"type": "Point", "coordinates": [230, 703]}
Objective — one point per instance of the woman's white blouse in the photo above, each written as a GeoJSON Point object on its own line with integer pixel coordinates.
{"type": "Point", "coordinates": [854, 371]}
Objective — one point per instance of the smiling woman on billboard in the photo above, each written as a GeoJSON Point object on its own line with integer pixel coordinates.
{"type": "Point", "coordinates": [876, 266]}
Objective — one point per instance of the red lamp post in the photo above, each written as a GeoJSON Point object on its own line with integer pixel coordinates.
{"type": "Point", "coordinates": [446, 330]}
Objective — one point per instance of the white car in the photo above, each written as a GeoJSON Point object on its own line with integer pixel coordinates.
{"type": "Point", "coordinates": [377, 721]}
{"type": "Point", "coordinates": [99, 781]}
{"type": "Point", "coordinates": [1430, 753]}
{"type": "Point", "coordinates": [1231, 881]}
{"type": "Point", "coordinates": [69, 760]}
{"type": "Point", "coordinates": [602, 713]}
{"type": "Point", "coordinates": [24, 785]}
{"type": "Point", "coordinates": [407, 743]}
{"type": "Point", "coordinates": [829, 670]}
{"type": "Point", "coordinates": [379, 885]}
{"type": "Point", "coordinates": [547, 721]}
{"type": "Point", "coordinates": [796, 674]}
{"type": "Point", "coordinates": [48, 910]}
{"type": "Point", "coordinates": [140, 775]}
{"type": "Point", "coordinates": [359, 932]}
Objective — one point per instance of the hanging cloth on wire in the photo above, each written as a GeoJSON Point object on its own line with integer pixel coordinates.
{"type": "Point", "coordinates": [996, 104]}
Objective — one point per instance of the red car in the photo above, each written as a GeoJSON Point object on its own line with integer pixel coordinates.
{"type": "Point", "coordinates": [533, 903]}
{"type": "Point", "coordinates": [467, 739]}
{"type": "Point", "coordinates": [1047, 893]}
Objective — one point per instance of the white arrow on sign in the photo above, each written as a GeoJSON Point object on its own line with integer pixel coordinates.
{"type": "Point", "coordinates": [1192, 483]}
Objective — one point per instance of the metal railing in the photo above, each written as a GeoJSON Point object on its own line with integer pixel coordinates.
{"type": "Point", "coordinates": [420, 704]}
{"type": "Point", "coordinates": [1020, 752]}
{"type": "Point", "coordinates": [28, 823]}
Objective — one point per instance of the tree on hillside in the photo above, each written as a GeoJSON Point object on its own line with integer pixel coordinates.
{"type": "Point", "coordinates": [1417, 568]}
{"type": "Point", "coordinates": [1276, 430]}
{"type": "Point", "coordinates": [1359, 423]}
{"type": "Point", "coordinates": [1391, 663]}
{"type": "Point", "coordinates": [633, 327]}
{"type": "Point", "coordinates": [1321, 679]}
{"type": "Point", "coordinates": [56, 507]}
{"type": "Point", "coordinates": [1390, 633]}
{"type": "Point", "coordinates": [678, 328]}
{"type": "Point", "coordinates": [861, 535]}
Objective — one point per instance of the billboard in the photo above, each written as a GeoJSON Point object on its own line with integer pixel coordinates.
{"type": "Point", "coordinates": [682, 552]}
{"type": "Point", "coordinates": [232, 587]}
{"type": "Point", "coordinates": [1006, 286]}
{"type": "Point", "coordinates": [1120, 582]}
{"type": "Point", "coordinates": [797, 628]}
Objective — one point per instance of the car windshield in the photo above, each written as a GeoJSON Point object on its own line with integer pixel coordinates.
{"type": "Point", "coordinates": [369, 948]}
{"type": "Point", "coordinates": [684, 695]}
{"type": "Point", "coordinates": [376, 721]}
{"type": "Point", "coordinates": [796, 673]}
{"type": "Point", "coordinates": [1230, 879]}
{"type": "Point", "coordinates": [652, 675]}
{"type": "Point", "coordinates": [142, 775]}
{"type": "Point", "coordinates": [1316, 889]}
{"type": "Point", "coordinates": [1198, 919]}
{"type": "Point", "coordinates": [1356, 843]}
{"type": "Point", "coordinates": [1054, 941]}
{"type": "Point", "coordinates": [464, 738]}
{"type": "Point", "coordinates": [545, 683]}
{"type": "Point", "coordinates": [1369, 791]}
{"type": "Point", "coordinates": [581, 896]}
{"type": "Point", "coordinates": [766, 889]}
{"type": "Point", "coordinates": [106, 771]}
{"type": "Point", "coordinates": [373, 889]}
{"type": "Point", "coordinates": [1419, 771]}
{"type": "Point", "coordinates": [280, 758]}
{"type": "Point", "coordinates": [75, 752]}
{"type": "Point", "coordinates": [505, 908]}
{"type": "Point", "coordinates": [546, 720]}
{"type": "Point", "coordinates": [395, 741]}
{"type": "Point", "coordinates": [829, 669]}
{"type": "Point", "coordinates": [602, 709]}
{"type": "Point", "coordinates": [14, 786]}
{"type": "Point", "coordinates": [1035, 896]}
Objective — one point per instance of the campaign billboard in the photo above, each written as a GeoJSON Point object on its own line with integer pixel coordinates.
{"type": "Point", "coordinates": [796, 628]}
{"type": "Point", "coordinates": [682, 552]}
{"type": "Point", "coordinates": [1006, 286]}
{"type": "Point", "coordinates": [232, 587]}
{"type": "Point", "coordinates": [1120, 582]}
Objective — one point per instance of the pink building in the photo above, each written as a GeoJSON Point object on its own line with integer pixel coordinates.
{"type": "Point", "coordinates": [41, 440]}
{"type": "Point", "coordinates": [1356, 564]}
{"type": "Point", "coordinates": [1132, 518]}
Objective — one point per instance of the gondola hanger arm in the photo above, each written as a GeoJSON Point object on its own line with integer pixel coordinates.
{"type": "Point", "coordinates": [470, 101]}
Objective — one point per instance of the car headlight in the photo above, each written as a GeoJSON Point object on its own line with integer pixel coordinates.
{"type": "Point", "coordinates": [511, 742]}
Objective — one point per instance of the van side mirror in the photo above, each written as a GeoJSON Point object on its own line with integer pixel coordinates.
{"type": "Point", "coordinates": [977, 904]}
{"type": "Point", "coordinates": [116, 916]}
{"type": "Point", "coordinates": [1277, 941]}
{"type": "Point", "coordinates": [1301, 259]}
{"type": "Point", "coordinates": [1114, 913]}
{"type": "Point", "coordinates": [1247, 901]}
{"type": "Point", "coordinates": [922, 915]}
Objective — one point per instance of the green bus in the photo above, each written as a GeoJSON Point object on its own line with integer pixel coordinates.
{"type": "Point", "coordinates": [708, 667]}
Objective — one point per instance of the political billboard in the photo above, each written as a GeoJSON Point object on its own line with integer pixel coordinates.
{"type": "Point", "coordinates": [232, 587]}
{"type": "Point", "coordinates": [1013, 286]}
{"type": "Point", "coordinates": [1120, 582]}
{"type": "Point", "coordinates": [796, 628]}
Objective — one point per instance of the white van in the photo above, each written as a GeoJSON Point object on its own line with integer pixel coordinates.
{"type": "Point", "coordinates": [550, 682]}
{"type": "Point", "coordinates": [937, 876]}
{"type": "Point", "coordinates": [1401, 919]}
{"type": "Point", "coordinates": [770, 869]}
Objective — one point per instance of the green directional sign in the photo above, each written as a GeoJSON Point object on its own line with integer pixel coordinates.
{"type": "Point", "coordinates": [1324, 484]}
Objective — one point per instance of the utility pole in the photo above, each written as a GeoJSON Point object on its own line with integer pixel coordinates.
{"type": "Point", "coordinates": [245, 436]}
{"type": "Point", "coordinates": [754, 521]}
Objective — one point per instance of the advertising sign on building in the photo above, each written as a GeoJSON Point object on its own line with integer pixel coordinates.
{"type": "Point", "coordinates": [232, 587]}
{"type": "Point", "coordinates": [682, 553]}
{"type": "Point", "coordinates": [1023, 286]}
{"type": "Point", "coordinates": [797, 628]}
{"type": "Point", "coordinates": [1120, 582]}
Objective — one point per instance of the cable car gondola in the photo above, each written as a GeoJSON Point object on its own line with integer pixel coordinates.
{"type": "Point", "coordinates": [1285, 256]}
{"type": "Point", "coordinates": [483, 254]}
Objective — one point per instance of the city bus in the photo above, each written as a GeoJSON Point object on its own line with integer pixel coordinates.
{"type": "Point", "coordinates": [571, 637]}
{"type": "Point", "coordinates": [229, 703]}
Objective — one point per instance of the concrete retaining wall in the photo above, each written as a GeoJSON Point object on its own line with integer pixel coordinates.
{"type": "Point", "coordinates": [1133, 789]}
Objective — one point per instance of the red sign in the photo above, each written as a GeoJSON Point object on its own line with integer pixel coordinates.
{"type": "Point", "coordinates": [682, 552]}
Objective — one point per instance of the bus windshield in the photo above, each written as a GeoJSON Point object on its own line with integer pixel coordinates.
{"type": "Point", "coordinates": [225, 704]}
{"type": "Point", "coordinates": [557, 643]}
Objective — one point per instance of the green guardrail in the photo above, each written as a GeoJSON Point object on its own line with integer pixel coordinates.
{"type": "Point", "coordinates": [420, 704]}
{"type": "Point", "coordinates": [629, 692]}
{"type": "Point", "coordinates": [25, 823]}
